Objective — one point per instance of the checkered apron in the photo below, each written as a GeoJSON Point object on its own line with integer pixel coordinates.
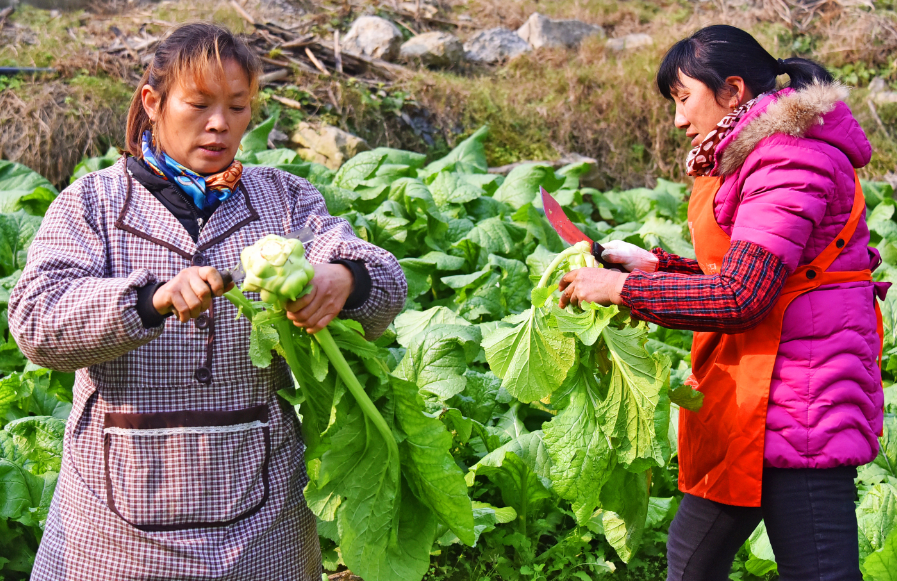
{"type": "Point", "coordinates": [179, 461]}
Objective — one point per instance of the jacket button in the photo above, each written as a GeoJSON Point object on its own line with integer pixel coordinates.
{"type": "Point", "coordinates": [202, 321]}
{"type": "Point", "coordinates": [840, 243]}
{"type": "Point", "coordinates": [203, 375]}
{"type": "Point", "coordinates": [199, 259]}
{"type": "Point", "coordinates": [811, 274]}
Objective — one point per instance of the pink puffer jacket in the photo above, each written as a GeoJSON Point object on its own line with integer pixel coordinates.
{"type": "Point", "coordinates": [789, 187]}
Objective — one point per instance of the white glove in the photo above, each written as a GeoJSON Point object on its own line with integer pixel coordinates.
{"type": "Point", "coordinates": [629, 255]}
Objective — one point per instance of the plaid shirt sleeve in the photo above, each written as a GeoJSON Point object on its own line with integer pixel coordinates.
{"type": "Point", "coordinates": [334, 240]}
{"type": "Point", "coordinates": [667, 262]}
{"type": "Point", "coordinates": [733, 301]}
{"type": "Point", "coordinates": [64, 312]}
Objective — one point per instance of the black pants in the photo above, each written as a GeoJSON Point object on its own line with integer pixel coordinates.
{"type": "Point", "coordinates": [810, 518]}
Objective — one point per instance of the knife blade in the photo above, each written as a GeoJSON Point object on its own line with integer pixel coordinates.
{"type": "Point", "coordinates": [236, 274]}
{"type": "Point", "coordinates": [569, 232]}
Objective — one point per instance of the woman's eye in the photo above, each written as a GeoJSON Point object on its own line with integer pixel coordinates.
{"type": "Point", "coordinates": [197, 105]}
{"type": "Point", "coordinates": [238, 109]}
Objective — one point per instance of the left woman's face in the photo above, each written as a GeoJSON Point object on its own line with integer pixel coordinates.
{"type": "Point", "coordinates": [697, 109]}
{"type": "Point", "coordinates": [201, 127]}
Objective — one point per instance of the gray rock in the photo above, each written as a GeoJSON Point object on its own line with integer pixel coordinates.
{"type": "Point", "coordinates": [433, 49]}
{"type": "Point", "coordinates": [884, 97]}
{"type": "Point", "coordinates": [630, 42]}
{"type": "Point", "coordinates": [326, 144]}
{"type": "Point", "coordinates": [374, 37]}
{"type": "Point", "coordinates": [495, 45]}
{"type": "Point", "coordinates": [541, 31]}
{"type": "Point", "coordinates": [878, 85]}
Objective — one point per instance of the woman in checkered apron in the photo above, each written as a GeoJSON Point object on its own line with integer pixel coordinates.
{"type": "Point", "coordinates": [179, 461]}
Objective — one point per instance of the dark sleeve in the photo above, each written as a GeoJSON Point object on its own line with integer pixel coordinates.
{"type": "Point", "coordinates": [361, 289]}
{"type": "Point", "coordinates": [733, 301]}
{"type": "Point", "coordinates": [149, 316]}
{"type": "Point", "coordinates": [667, 262]}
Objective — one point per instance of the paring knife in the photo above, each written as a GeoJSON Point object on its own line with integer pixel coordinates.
{"type": "Point", "coordinates": [305, 235]}
{"type": "Point", "coordinates": [570, 233]}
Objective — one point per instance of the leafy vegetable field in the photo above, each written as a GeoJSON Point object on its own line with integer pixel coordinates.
{"type": "Point", "coordinates": [515, 440]}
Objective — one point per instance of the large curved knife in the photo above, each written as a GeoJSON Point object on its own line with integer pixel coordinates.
{"type": "Point", "coordinates": [570, 233]}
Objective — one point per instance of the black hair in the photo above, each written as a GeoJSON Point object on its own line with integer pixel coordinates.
{"type": "Point", "coordinates": [714, 53]}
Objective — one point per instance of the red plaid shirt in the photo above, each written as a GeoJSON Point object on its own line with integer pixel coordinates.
{"type": "Point", "coordinates": [680, 296]}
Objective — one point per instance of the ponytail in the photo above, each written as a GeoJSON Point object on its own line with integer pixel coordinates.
{"type": "Point", "coordinates": [803, 72]}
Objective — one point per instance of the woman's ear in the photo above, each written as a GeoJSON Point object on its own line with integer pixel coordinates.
{"type": "Point", "coordinates": [738, 91]}
{"type": "Point", "coordinates": [152, 103]}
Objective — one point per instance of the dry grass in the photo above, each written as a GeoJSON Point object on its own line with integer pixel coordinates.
{"type": "Point", "coordinates": [51, 126]}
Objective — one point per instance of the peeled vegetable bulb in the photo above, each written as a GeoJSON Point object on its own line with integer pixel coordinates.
{"type": "Point", "coordinates": [276, 268]}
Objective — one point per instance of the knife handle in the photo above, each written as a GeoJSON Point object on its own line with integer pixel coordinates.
{"type": "Point", "coordinates": [597, 249]}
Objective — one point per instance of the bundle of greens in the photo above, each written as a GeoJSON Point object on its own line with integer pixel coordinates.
{"type": "Point", "coordinates": [381, 475]}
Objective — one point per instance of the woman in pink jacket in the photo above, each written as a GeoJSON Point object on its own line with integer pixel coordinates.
{"type": "Point", "coordinates": [783, 305]}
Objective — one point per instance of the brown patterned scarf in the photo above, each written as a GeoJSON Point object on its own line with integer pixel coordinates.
{"type": "Point", "coordinates": [702, 159]}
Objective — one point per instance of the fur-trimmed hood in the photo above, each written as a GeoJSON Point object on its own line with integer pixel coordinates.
{"type": "Point", "coordinates": [817, 111]}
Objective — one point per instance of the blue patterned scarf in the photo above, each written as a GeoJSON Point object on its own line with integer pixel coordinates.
{"type": "Point", "coordinates": [204, 190]}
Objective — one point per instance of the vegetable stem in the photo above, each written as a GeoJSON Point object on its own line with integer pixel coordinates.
{"type": "Point", "coordinates": [546, 276]}
{"type": "Point", "coordinates": [325, 339]}
{"type": "Point", "coordinates": [239, 300]}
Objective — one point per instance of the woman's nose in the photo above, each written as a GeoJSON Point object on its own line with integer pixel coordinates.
{"type": "Point", "coordinates": [680, 121]}
{"type": "Point", "coordinates": [217, 122]}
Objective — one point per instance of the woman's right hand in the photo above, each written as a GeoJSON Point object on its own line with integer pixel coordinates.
{"type": "Point", "coordinates": [629, 255]}
{"type": "Point", "coordinates": [190, 292]}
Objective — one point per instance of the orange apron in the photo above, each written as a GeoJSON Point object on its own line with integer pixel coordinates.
{"type": "Point", "coordinates": [721, 446]}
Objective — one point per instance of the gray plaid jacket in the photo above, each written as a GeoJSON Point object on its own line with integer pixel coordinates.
{"type": "Point", "coordinates": [178, 462]}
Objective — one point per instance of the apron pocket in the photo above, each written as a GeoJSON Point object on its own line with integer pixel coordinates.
{"type": "Point", "coordinates": [182, 470]}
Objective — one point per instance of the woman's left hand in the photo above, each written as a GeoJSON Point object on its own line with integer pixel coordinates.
{"type": "Point", "coordinates": [593, 285]}
{"type": "Point", "coordinates": [331, 287]}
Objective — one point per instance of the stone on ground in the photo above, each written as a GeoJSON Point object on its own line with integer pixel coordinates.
{"type": "Point", "coordinates": [373, 37]}
{"type": "Point", "coordinates": [630, 42]}
{"type": "Point", "coordinates": [494, 45]}
{"type": "Point", "coordinates": [539, 31]}
{"type": "Point", "coordinates": [433, 49]}
{"type": "Point", "coordinates": [326, 144]}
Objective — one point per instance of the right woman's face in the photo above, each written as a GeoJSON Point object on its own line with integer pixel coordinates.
{"type": "Point", "coordinates": [201, 127]}
{"type": "Point", "coordinates": [697, 110]}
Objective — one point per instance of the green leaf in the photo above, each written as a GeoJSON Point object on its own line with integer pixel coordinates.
{"type": "Point", "coordinates": [882, 565]}
{"type": "Point", "coordinates": [437, 359]}
{"type": "Point", "coordinates": [452, 188]}
{"type": "Point", "coordinates": [357, 467]}
{"type": "Point", "coordinates": [762, 560]}
{"type": "Point", "coordinates": [256, 141]}
{"type": "Point", "coordinates": [876, 517]}
{"type": "Point", "coordinates": [635, 412]}
{"type": "Point", "coordinates": [587, 323]}
{"type": "Point", "coordinates": [262, 340]}
{"type": "Point", "coordinates": [430, 470]}
{"type": "Point", "coordinates": [410, 323]}
{"type": "Point", "coordinates": [358, 169]}
{"type": "Point", "coordinates": [661, 232]}
{"type": "Point", "coordinates": [581, 455]}
{"type": "Point", "coordinates": [17, 230]}
{"type": "Point", "coordinates": [24, 189]}
{"type": "Point", "coordinates": [402, 157]}
{"type": "Point", "coordinates": [468, 157]}
{"type": "Point", "coordinates": [625, 503]}
{"type": "Point", "coordinates": [93, 164]}
{"type": "Point", "coordinates": [686, 397]}
{"type": "Point", "coordinates": [531, 358]}
{"type": "Point", "coordinates": [39, 442]}
{"type": "Point", "coordinates": [521, 471]}
{"type": "Point", "coordinates": [485, 519]}
{"type": "Point", "coordinates": [522, 184]}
